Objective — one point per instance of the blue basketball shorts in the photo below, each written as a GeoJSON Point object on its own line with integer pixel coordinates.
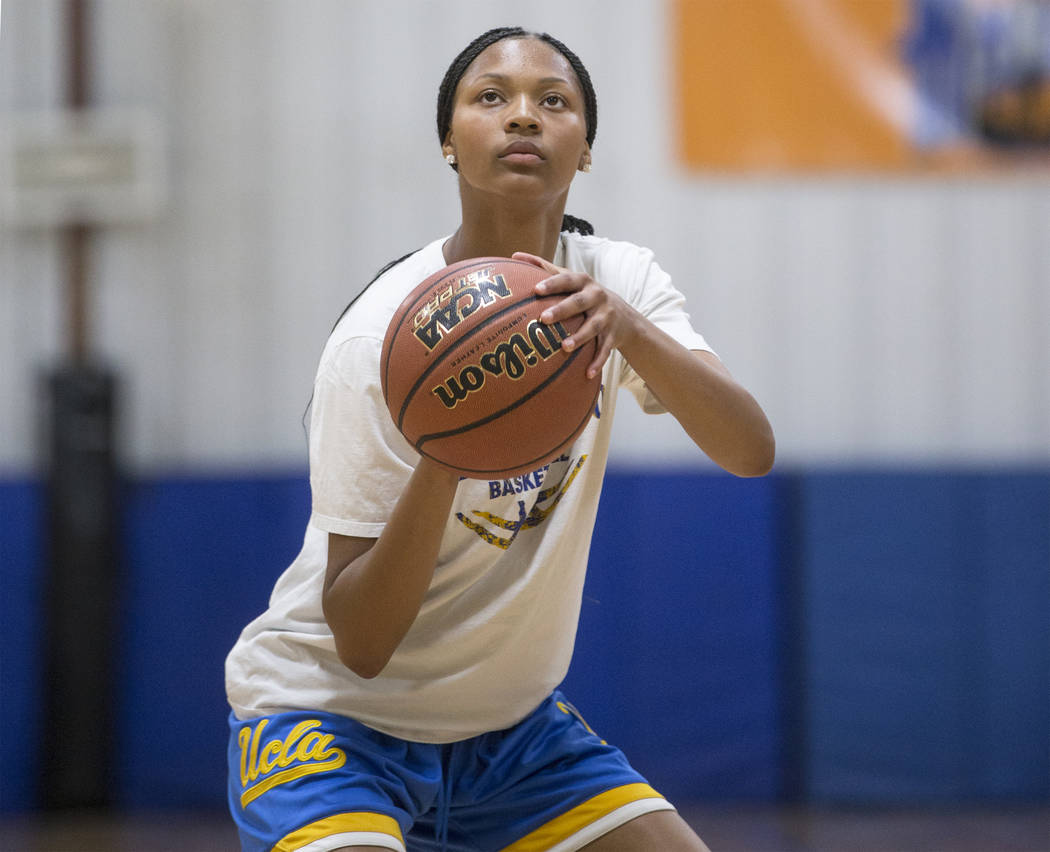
{"type": "Point", "coordinates": [314, 782]}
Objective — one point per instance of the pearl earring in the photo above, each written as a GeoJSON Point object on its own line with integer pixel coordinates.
{"type": "Point", "coordinates": [586, 167]}
{"type": "Point", "coordinates": [450, 159]}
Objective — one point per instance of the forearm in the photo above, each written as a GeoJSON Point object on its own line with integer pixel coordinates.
{"type": "Point", "coordinates": [720, 416]}
{"type": "Point", "coordinates": [372, 598]}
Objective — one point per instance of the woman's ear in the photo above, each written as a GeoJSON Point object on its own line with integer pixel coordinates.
{"type": "Point", "coordinates": [585, 161]}
{"type": "Point", "coordinates": [448, 151]}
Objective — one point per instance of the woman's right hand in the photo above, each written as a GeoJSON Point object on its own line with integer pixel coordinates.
{"type": "Point", "coordinates": [434, 475]}
{"type": "Point", "coordinates": [374, 587]}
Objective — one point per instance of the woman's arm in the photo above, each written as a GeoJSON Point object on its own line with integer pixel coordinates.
{"type": "Point", "coordinates": [721, 417]}
{"type": "Point", "coordinates": [374, 587]}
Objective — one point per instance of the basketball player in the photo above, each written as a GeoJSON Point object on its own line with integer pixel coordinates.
{"type": "Point", "coordinates": [401, 689]}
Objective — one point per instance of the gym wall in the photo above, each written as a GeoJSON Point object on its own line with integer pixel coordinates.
{"type": "Point", "coordinates": [868, 624]}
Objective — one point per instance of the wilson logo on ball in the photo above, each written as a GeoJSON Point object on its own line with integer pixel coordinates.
{"type": "Point", "coordinates": [511, 358]}
{"type": "Point", "coordinates": [449, 307]}
{"type": "Point", "coordinates": [475, 381]}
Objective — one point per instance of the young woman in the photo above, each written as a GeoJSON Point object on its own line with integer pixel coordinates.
{"type": "Point", "coordinates": [400, 691]}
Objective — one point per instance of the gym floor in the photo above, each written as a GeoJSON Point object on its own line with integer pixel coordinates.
{"type": "Point", "coordinates": [724, 828]}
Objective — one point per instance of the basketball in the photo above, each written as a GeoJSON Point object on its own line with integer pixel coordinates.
{"type": "Point", "coordinates": [474, 380]}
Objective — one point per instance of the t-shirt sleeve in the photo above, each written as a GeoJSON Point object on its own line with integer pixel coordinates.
{"type": "Point", "coordinates": [359, 462]}
{"type": "Point", "coordinates": [652, 293]}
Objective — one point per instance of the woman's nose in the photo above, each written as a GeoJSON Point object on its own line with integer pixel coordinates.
{"type": "Point", "coordinates": [522, 115]}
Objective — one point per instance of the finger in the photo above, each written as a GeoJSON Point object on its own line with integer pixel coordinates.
{"type": "Point", "coordinates": [575, 303]}
{"type": "Point", "coordinates": [543, 287]}
{"type": "Point", "coordinates": [536, 260]}
{"type": "Point", "coordinates": [595, 367]}
{"type": "Point", "coordinates": [564, 281]}
{"type": "Point", "coordinates": [591, 329]}
{"type": "Point", "coordinates": [603, 344]}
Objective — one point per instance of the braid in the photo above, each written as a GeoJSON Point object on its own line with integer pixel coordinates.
{"type": "Point", "coordinates": [447, 94]}
{"type": "Point", "coordinates": [375, 278]}
{"type": "Point", "coordinates": [576, 226]}
{"type": "Point", "coordinates": [590, 99]}
{"type": "Point", "coordinates": [573, 224]}
{"type": "Point", "coordinates": [447, 91]}
{"type": "Point", "coordinates": [446, 97]}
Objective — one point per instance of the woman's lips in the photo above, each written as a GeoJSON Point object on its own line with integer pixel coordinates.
{"type": "Point", "coordinates": [521, 157]}
{"type": "Point", "coordinates": [521, 152]}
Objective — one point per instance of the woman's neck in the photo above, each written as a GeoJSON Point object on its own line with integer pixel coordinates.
{"type": "Point", "coordinates": [499, 231]}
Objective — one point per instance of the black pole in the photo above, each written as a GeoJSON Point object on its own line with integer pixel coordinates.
{"type": "Point", "coordinates": [81, 590]}
{"type": "Point", "coordinates": [83, 559]}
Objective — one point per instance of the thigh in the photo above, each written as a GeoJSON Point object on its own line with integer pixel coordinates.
{"type": "Point", "coordinates": [548, 783]}
{"type": "Point", "coordinates": [314, 778]}
{"type": "Point", "coordinates": [665, 830]}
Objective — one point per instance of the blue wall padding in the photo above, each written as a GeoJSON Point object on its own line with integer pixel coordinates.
{"type": "Point", "coordinates": [676, 660]}
{"type": "Point", "coordinates": [926, 605]}
{"type": "Point", "coordinates": [859, 637]}
{"type": "Point", "coordinates": [203, 555]}
{"type": "Point", "coordinates": [21, 649]}
{"type": "Point", "coordinates": [1013, 597]}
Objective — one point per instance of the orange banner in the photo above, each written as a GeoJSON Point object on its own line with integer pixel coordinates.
{"type": "Point", "coordinates": [861, 84]}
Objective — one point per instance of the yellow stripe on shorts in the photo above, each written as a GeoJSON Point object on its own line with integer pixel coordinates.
{"type": "Point", "coordinates": [566, 825]}
{"type": "Point", "coordinates": [339, 824]}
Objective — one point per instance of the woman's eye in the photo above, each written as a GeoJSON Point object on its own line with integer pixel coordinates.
{"type": "Point", "coordinates": [489, 97]}
{"type": "Point", "coordinates": [554, 100]}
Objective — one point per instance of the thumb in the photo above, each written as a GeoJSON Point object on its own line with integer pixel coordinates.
{"type": "Point", "coordinates": [536, 260]}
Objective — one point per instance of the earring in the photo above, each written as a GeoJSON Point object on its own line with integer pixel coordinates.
{"type": "Point", "coordinates": [450, 159]}
{"type": "Point", "coordinates": [586, 167]}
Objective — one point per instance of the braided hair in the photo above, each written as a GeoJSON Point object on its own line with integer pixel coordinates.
{"type": "Point", "coordinates": [446, 98]}
{"type": "Point", "coordinates": [447, 93]}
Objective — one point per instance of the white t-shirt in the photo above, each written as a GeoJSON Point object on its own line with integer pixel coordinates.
{"type": "Point", "coordinates": [496, 629]}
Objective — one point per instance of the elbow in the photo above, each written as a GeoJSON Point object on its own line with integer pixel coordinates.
{"type": "Point", "coordinates": [354, 651]}
{"type": "Point", "coordinates": [361, 662]}
{"type": "Point", "coordinates": [759, 461]}
{"type": "Point", "coordinates": [754, 471]}
{"type": "Point", "coordinates": [366, 669]}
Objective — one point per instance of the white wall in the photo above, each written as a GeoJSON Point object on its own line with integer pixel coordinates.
{"type": "Point", "coordinates": [882, 320]}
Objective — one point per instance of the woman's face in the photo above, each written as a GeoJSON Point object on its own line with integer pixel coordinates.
{"type": "Point", "coordinates": [518, 122]}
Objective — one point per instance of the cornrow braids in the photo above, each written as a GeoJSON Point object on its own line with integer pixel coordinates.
{"type": "Point", "coordinates": [590, 99]}
{"type": "Point", "coordinates": [446, 97]}
{"type": "Point", "coordinates": [376, 277]}
{"type": "Point", "coordinates": [459, 65]}
{"type": "Point", "coordinates": [447, 90]}
{"type": "Point", "coordinates": [575, 225]}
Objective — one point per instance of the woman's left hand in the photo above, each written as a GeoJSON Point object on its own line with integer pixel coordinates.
{"type": "Point", "coordinates": [606, 317]}
{"type": "Point", "coordinates": [720, 416]}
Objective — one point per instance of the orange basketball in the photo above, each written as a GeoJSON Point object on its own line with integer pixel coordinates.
{"type": "Point", "coordinates": [475, 381]}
